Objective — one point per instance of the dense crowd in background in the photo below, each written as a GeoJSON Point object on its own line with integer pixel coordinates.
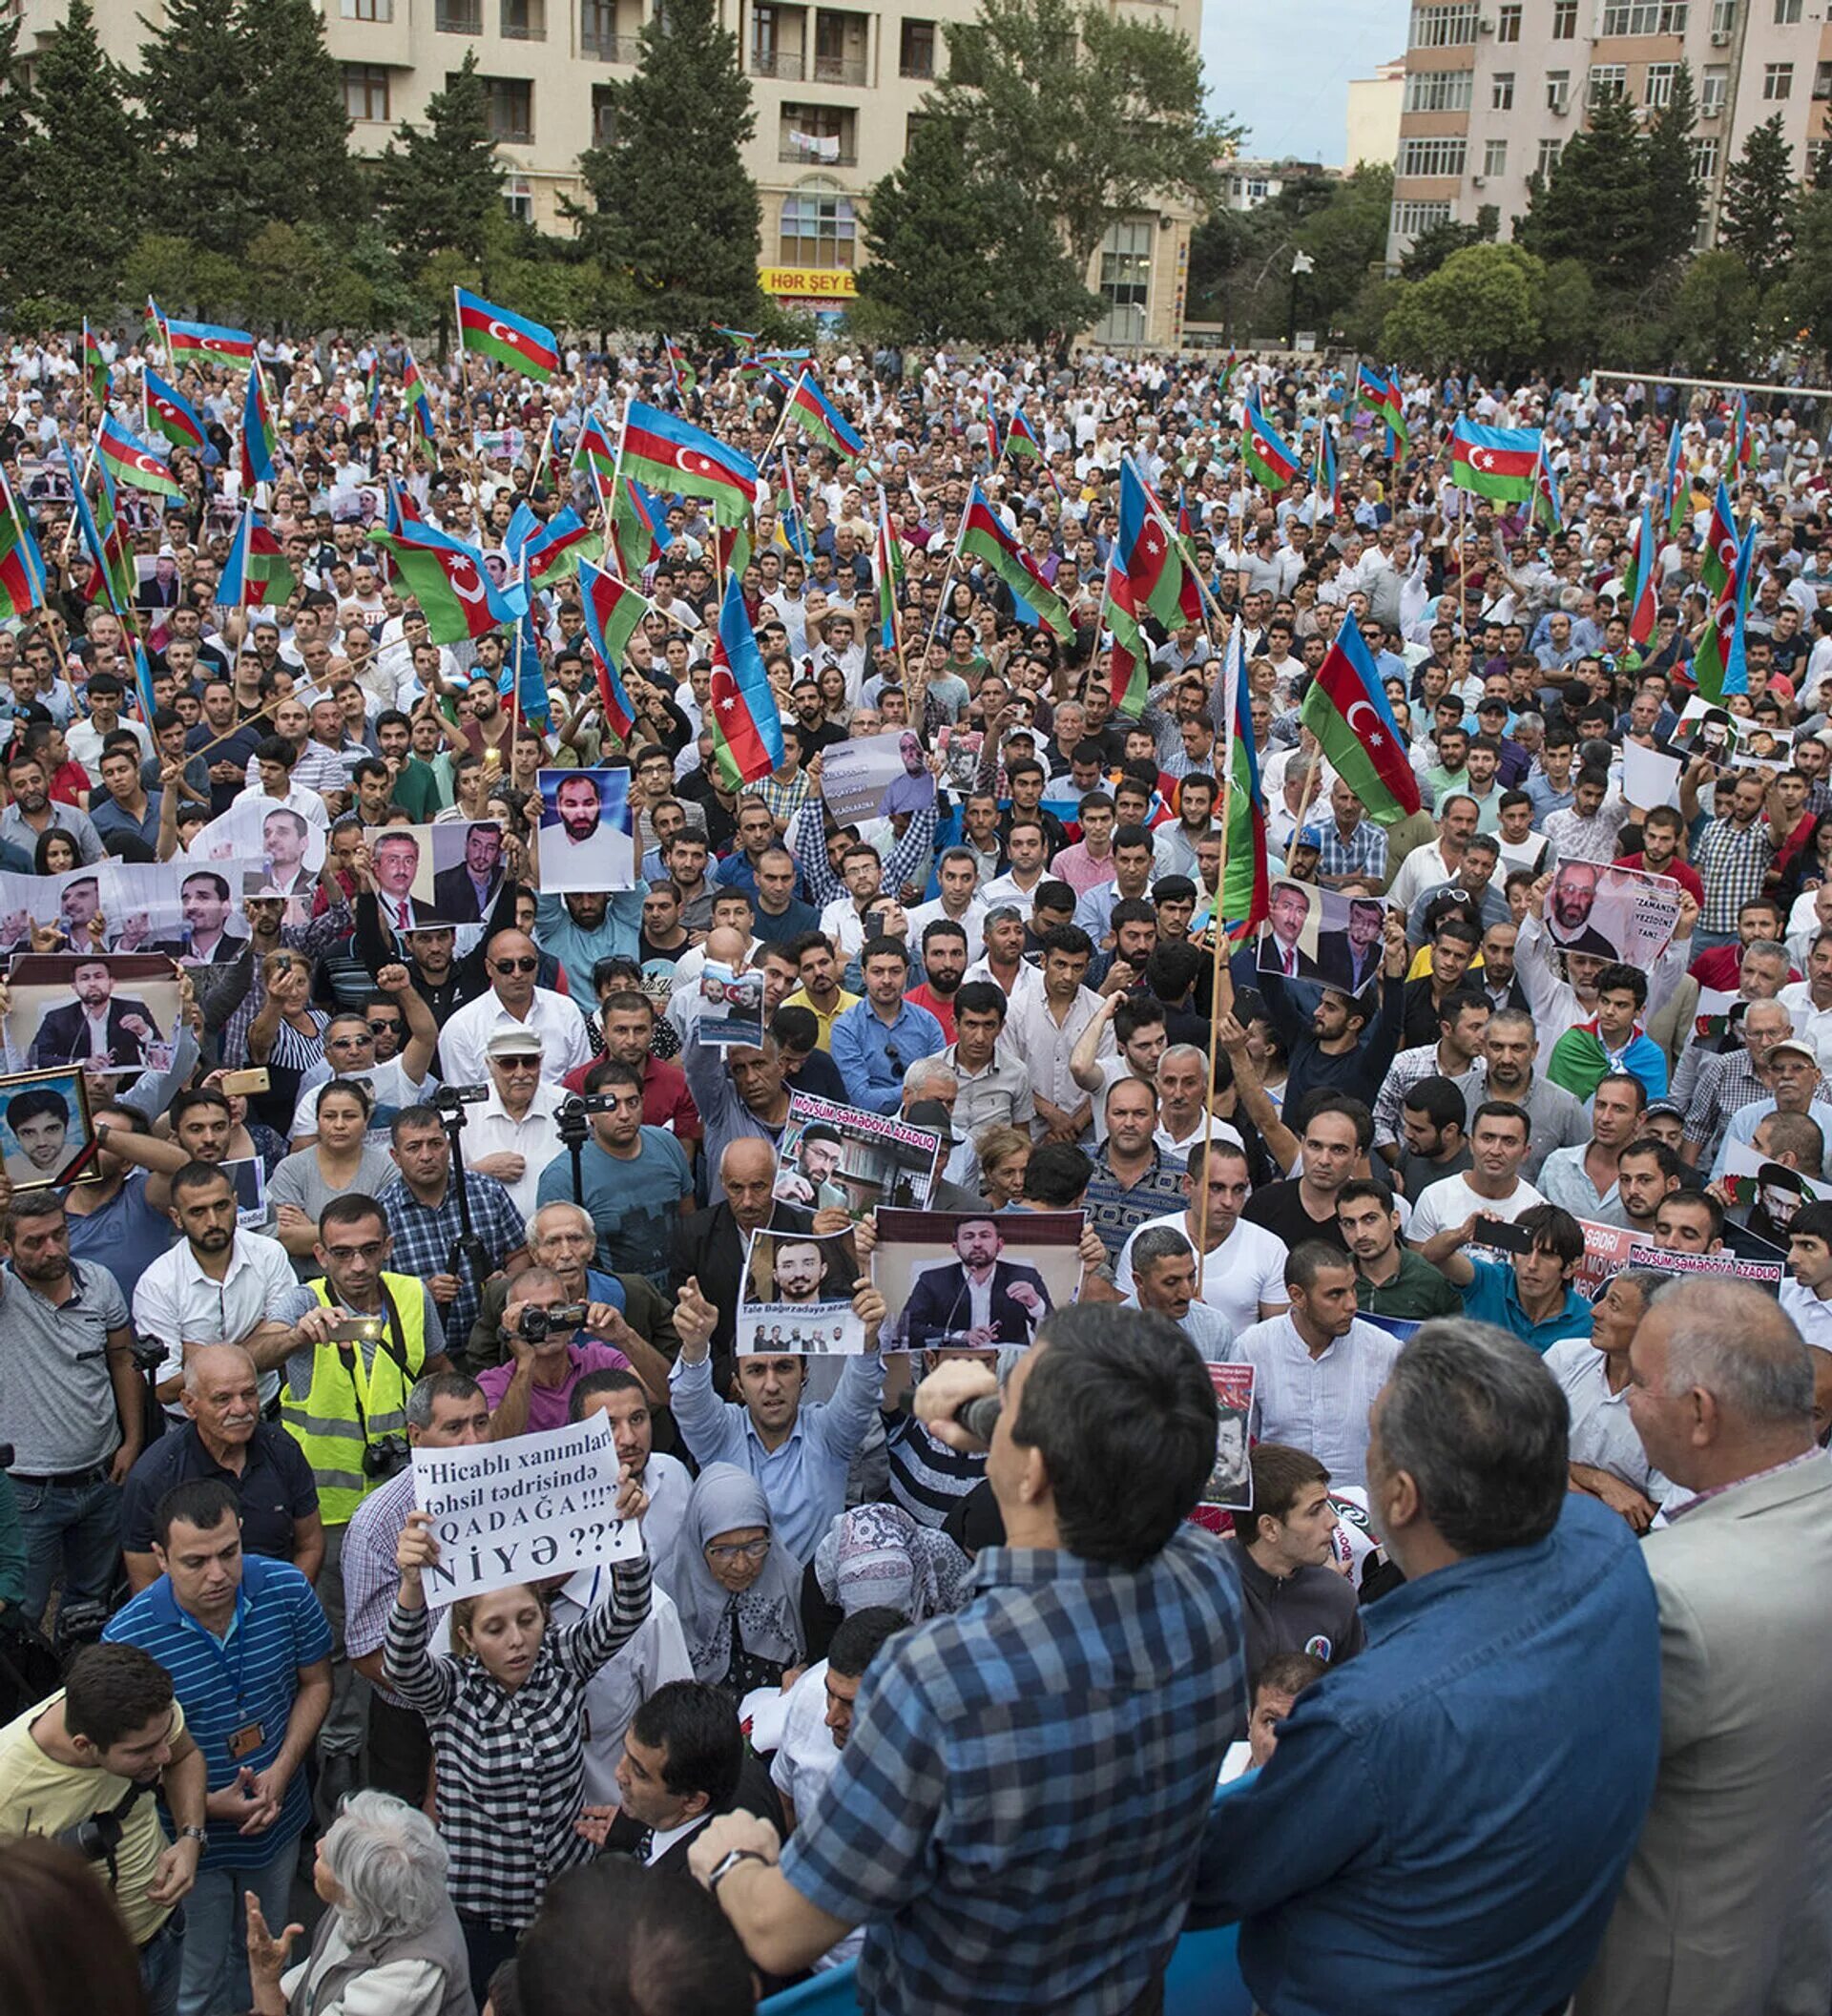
{"type": "Point", "coordinates": [1514, 1677]}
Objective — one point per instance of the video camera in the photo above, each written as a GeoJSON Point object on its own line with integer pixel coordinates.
{"type": "Point", "coordinates": [536, 1325]}
{"type": "Point", "coordinates": [451, 1099]}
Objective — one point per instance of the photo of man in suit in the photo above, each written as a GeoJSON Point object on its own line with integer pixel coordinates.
{"type": "Point", "coordinates": [396, 860]}
{"type": "Point", "coordinates": [464, 892]}
{"type": "Point", "coordinates": [1279, 951]}
{"type": "Point", "coordinates": [976, 1301]}
{"type": "Point", "coordinates": [96, 1029]}
{"type": "Point", "coordinates": [215, 938]}
{"type": "Point", "coordinates": [284, 835]}
{"type": "Point", "coordinates": [1351, 959]}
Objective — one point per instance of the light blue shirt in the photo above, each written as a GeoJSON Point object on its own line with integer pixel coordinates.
{"type": "Point", "coordinates": [863, 1045]}
{"type": "Point", "coordinates": [578, 949]}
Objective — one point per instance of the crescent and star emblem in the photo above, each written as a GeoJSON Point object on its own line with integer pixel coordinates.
{"type": "Point", "coordinates": [501, 334]}
{"type": "Point", "coordinates": [461, 573]}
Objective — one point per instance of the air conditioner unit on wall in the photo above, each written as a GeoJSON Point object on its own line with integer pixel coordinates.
{"type": "Point", "coordinates": [1720, 38]}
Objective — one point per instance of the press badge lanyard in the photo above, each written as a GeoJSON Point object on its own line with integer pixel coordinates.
{"type": "Point", "coordinates": [218, 1651]}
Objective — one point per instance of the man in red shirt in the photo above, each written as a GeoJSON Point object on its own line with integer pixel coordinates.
{"type": "Point", "coordinates": [628, 1020]}
{"type": "Point", "coordinates": [944, 968]}
{"type": "Point", "coordinates": [1661, 834]}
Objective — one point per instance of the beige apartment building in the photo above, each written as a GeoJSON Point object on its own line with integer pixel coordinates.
{"type": "Point", "coordinates": [1495, 88]}
{"type": "Point", "coordinates": [835, 89]}
{"type": "Point", "coordinates": [1371, 118]}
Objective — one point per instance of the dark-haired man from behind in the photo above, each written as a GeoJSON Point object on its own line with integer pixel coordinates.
{"type": "Point", "coordinates": [1283, 1549]}
{"type": "Point", "coordinates": [1453, 1880]}
{"type": "Point", "coordinates": [1103, 1444]}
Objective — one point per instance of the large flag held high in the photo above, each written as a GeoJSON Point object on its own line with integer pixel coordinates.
{"type": "Point", "coordinates": [1345, 709]}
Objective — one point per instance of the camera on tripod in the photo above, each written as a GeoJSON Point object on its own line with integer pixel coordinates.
{"type": "Point", "coordinates": [536, 1325]}
{"type": "Point", "coordinates": [451, 1099]}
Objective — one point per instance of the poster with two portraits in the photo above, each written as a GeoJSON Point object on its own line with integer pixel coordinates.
{"type": "Point", "coordinates": [1314, 934]}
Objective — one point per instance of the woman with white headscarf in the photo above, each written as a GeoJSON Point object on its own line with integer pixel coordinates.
{"type": "Point", "coordinates": [736, 1586]}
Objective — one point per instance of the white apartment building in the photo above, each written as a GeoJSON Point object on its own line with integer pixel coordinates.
{"type": "Point", "coordinates": [834, 88]}
{"type": "Point", "coordinates": [1495, 88]}
{"type": "Point", "coordinates": [1247, 183]}
{"type": "Point", "coordinates": [1371, 118]}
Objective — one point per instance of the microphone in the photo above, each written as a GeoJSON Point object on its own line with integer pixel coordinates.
{"type": "Point", "coordinates": [979, 1416]}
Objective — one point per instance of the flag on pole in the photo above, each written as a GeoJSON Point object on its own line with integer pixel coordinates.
{"type": "Point", "coordinates": [522, 675]}
{"type": "Point", "coordinates": [22, 567]}
{"type": "Point", "coordinates": [551, 553]}
{"type": "Point", "coordinates": [983, 535]}
{"type": "Point", "coordinates": [1718, 564]}
{"type": "Point", "coordinates": [1393, 409]}
{"type": "Point", "coordinates": [1147, 555]}
{"type": "Point", "coordinates": [790, 531]}
{"type": "Point", "coordinates": [171, 413]}
{"type": "Point", "coordinates": [674, 455]}
{"type": "Point", "coordinates": [259, 437]}
{"type": "Point", "coordinates": [413, 394]}
{"type": "Point", "coordinates": [132, 462]}
{"type": "Point", "coordinates": [451, 583]}
{"type": "Point", "coordinates": [1644, 604]}
{"type": "Point", "coordinates": [639, 528]}
{"type": "Point", "coordinates": [736, 336]}
{"type": "Point", "coordinates": [887, 563]}
{"type": "Point", "coordinates": [1496, 462]}
{"type": "Point", "coordinates": [594, 451]}
{"type": "Point", "coordinates": [1677, 486]}
{"type": "Point", "coordinates": [1270, 463]}
{"type": "Point", "coordinates": [1548, 506]}
{"type": "Point", "coordinates": [686, 377]}
{"type": "Point", "coordinates": [1228, 370]}
{"type": "Point", "coordinates": [1324, 479]}
{"type": "Point", "coordinates": [612, 612]}
{"type": "Point", "coordinates": [115, 575]}
{"type": "Point", "coordinates": [1021, 438]}
{"type": "Point", "coordinates": [1129, 677]}
{"type": "Point", "coordinates": [95, 371]}
{"type": "Point", "coordinates": [1345, 709]}
{"type": "Point", "coordinates": [744, 718]}
{"type": "Point", "coordinates": [203, 342]}
{"type": "Point", "coordinates": [1717, 659]}
{"type": "Point", "coordinates": [485, 330]}
{"type": "Point", "coordinates": [1246, 883]}
{"type": "Point", "coordinates": [813, 412]}
{"type": "Point", "coordinates": [256, 573]}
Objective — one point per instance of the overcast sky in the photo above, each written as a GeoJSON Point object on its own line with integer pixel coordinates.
{"type": "Point", "coordinates": [1282, 68]}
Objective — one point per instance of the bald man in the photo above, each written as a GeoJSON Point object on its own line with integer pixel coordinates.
{"type": "Point", "coordinates": [224, 1437]}
{"type": "Point", "coordinates": [1727, 1905]}
{"type": "Point", "coordinates": [708, 1244]}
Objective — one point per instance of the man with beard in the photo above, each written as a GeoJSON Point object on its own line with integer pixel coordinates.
{"type": "Point", "coordinates": [34, 813]}
{"type": "Point", "coordinates": [580, 852]}
{"type": "Point", "coordinates": [96, 1029]}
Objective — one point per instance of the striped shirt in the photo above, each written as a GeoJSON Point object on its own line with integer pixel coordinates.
{"type": "Point", "coordinates": [511, 1766]}
{"type": "Point", "coordinates": [239, 1686]}
{"type": "Point", "coordinates": [928, 1478]}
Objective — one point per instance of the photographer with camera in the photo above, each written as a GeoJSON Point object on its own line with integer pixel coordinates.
{"type": "Point", "coordinates": [81, 1767]}
{"type": "Point", "coordinates": [553, 1346]}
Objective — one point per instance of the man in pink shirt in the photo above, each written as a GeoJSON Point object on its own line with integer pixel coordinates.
{"type": "Point", "coordinates": [1089, 862]}
{"type": "Point", "coordinates": [533, 1390]}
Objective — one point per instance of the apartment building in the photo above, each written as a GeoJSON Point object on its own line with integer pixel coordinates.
{"type": "Point", "coordinates": [1371, 118]}
{"type": "Point", "coordinates": [1495, 88]}
{"type": "Point", "coordinates": [835, 90]}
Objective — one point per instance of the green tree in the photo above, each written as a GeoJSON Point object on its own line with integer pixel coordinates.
{"type": "Point", "coordinates": [1240, 261]}
{"type": "Point", "coordinates": [953, 259]}
{"type": "Point", "coordinates": [1436, 243]}
{"type": "Point", "coordinates": [1677, 202]}
{"type": "Point", "coordinates": [437, 190]}
{"type": "Point", "coordinates": [1597, 204]}
{"type": "Point", "coordinates": [82, 165]}
{"type": "Point", "coordinates": [15, 136]}
{"type": "Point", "coordinates": [672, 205]}
{"type": "Point", "coordinates": [1761, 194]}
{"type": "Point", "coordinates": [1483, 306]}
{"type": "Point", "coordinates": [1714, 314]}
{"type": "Point", "coordinates": [1090, 116]}
{"type": "Point", "coordinates": [1805, 296]}
{"type": "Point", "coordinates": [195, 97]}
{"type": "Point", "coordinates": [1347, 238]}
{"type": "Point", "coordinates": [303, 174]}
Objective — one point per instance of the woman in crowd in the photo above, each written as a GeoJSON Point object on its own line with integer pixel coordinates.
{"type": "Point", "coordinates": [1005, 1154]}
{"type": "Point", "coordinates": [738, 1590]}
{"type": "Point", "coordinates": [877, 1556]}
{"type": "Point", "coordinates": [64, 1950]}
{"type": "Point", "coordinates": [389, 1941]}
{"type": "Point", "coordinates": [339, 1160]}
{"type": "Point", "coordinates": [506, 1717]}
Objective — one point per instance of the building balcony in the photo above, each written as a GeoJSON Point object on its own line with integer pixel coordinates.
{"type": "Point", "coordinates": [839, 69]}
{"type": "Point", "coordinates": [611, 49]}
{"type": "Point", "coordinates": [787, 67]}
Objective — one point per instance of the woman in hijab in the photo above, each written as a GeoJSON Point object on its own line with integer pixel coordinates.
{"type": "Point", "coordinates": [876, 1556]}
{"type": "Point", "coordinates": [736, 1586]}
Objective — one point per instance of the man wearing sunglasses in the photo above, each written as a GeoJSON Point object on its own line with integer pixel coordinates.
{"type": "Point", "coordinates": [515, 1133]}
{"type": "Point", "coordinates": [513, 1002]}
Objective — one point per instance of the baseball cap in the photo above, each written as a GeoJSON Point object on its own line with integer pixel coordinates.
{"type": "Point", "coordinates": [514, 1043]}
{"type": "Point", "coordinates": [1798, 1046]}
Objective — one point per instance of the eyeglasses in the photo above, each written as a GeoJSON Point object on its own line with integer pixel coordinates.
{"type": "Point", "coordinates": [748, 1550]}
{"type": "Point", "coordinates": [343, 1254]}
{"type": "Point", "coordinates": [382, 1028]}
{"type": "Point", "coordinates": [514, 966]}
{"type": "Point", "coordinates": [892, 1057]}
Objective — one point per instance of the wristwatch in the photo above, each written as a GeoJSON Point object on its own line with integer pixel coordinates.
{"type": "Point", "coordinates": [199, 1835]}
{"type": "Point", "coordinates": [727, 1863]}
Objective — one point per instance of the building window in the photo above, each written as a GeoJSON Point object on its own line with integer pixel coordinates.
{"type": "Point", "coordinates": [1445, 26]}
{"type": "Point", "coordinates": [1126, 280]}
{"type": "Point", "coordinates": [524, 21]}
{"type": "Point", "coordinates": [1558, 90]}
{"type": "Point", "coordinates": [1823, 80]}
{"type": "Point", "coordinates": [1786, 12]}
{"type": "Point", "coordinates": [1656, 87]}
{"type": "Point", "coordinates": [604, 117]}
{"type": "Point", "coordinates": [1564, 20]}
{"type": "Point", "coordinates": [1501, 90]}
{"type": "Point", "coordinates": [1549, 153]}
{"type": "Point", "coordinates": [1608, 80]}
{"type": "Point", "coordinates": [1440, 90]}
{"type": "Point", "coordinates": [1704, 161]}
{"type": "Point", "coordinates": [365, 92]}
{"type": "Point", "coordinates": [916, 50]}
{"type": "Point", "coordinates": [458, 17]}
{"type": "Point", "coordinates": [816, 133]}
{"type": "Point", "coordinates": [1723, 17]}
{"type": "Point", "coordinates": [819, 228]}
{"type": "Point", "coordinates": [1644, 17]}
{"type": "Point", "coordinates": [1507, 24]}
{"type": "Point", "coordinates": [1713, 87]}
{"type": "Point", "coordinates": [365, 9]}
{"type": "Point", "coordinates": [1777, 82]}
{"type": "Point", "coordinates": [1433, 156]}
{"type": "Point", "coordinates": [1494, 158]}
{"type": "Point", "coordinates": [518, 199]}
{"type": "Point", "coordinates": [1411, 220]}
{"type": "Point", "coordinates": [512, 108]}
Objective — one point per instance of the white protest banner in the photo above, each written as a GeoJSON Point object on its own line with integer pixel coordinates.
{"type": "Point", "coordinates": [1650, 778]}
{"type": "Point", "coordinates": [526, 1508]}
{"type": "Point", "coordinates": [876, 776]}
{"type": "Point", "coordinates": [1759, 1274]}
{"type": "Point", "coordinates": [844, 1156]}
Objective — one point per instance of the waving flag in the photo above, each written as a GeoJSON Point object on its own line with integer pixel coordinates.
{"type": "Point", "coordinates": [790, 531]}
{"type": "Point", "coordinates": [256, 573]}
{"type": "Point", "coordinates": [887, 563]}
{"type": "Point", "coordinates": [1717, 566]}
{"type": "Point", "coordinates": [22, 566]}
{"type": "Point", "coordinates": [413, 393]}
{"type": "Point", "coordinates": [736, 336]}
{"type": "Point", "coordinates": [257, 435]}
{"type": "Point", "coordinates": [1644, 604]}
{"type": "Point", "coordinates": [1270, 463]}
{"type": "Point", "coordinates": [1246, 882]}
{"type": "Point", "coordinates": [550, 553]}
{"type": "Point", "coordinates": [95, 371]}
{"type": "Point", "coordinates": [686, 377]}
{"type": "Point", "coordinates": [522, 675]}
{"type": "Point", "coordinates": [1496, 462]}
{"type": "Point", "coordinates": [674, 455]}
{"type": "Point", "coordinates": [1677, 486]}
{"type": "Point", "coordinates": [1129, 677]}
{"type": "Point", "coordinates": [638, 527]}
{"type": "Point", "coordinates": [809, 409]}
{"type": "Point", "coordinates": [1717, 665]}
{"type": "Point", "coordinates": [451, 585]}
{"type": "Point", "coordinates": [485, 330]}
{"type": "Point", "coordinates": [1323, 480]}
{"type": "Point", "coordinates": [1021, 438]}
{"type": "Point", "coordinates": [594, 451]}
{"type": "Point", "coordinates": [203, 342]}
{"type": "Point", "coordinates": [984, 535]}
{"type": "Point", "coordinates": [1345, 709]}
{"type": "Point", "coordinates": [1549, 507]}
{"type": "Point", "coordinates": [1228, 370]}
{"type": "Point", "coordinates": [171, 413]}
{"type": "Point", "coordinates": [1393, 410]}
{"type": "Point", "coordinates": [1370, 386]}
{"type": "Point", "coordinates": [114, 576]}
{"type": "Point", "coordinates": [612, 612]}
{"type": "Point", "coordinates": [743, 716]}
{"type": "Point", "coordinates": [1147, 555]}
{"type": "Point", "coordinates": [132, 462]}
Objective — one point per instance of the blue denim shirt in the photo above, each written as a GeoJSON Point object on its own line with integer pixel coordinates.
{"type": "Point", "coordinates": [1447, 1820]}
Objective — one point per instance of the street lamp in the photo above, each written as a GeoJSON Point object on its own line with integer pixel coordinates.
{"type": "Point", "coordinates": [1301, 264]}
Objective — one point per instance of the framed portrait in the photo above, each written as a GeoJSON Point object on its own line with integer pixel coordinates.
{"type": "Point", "coordinates": [46, 1135]}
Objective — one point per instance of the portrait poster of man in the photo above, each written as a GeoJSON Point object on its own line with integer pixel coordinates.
{"type": "Point", "coordinates": [113, 1012]}
{"type": "Point", "coordinates": [66, 903]}
{"type": "Point", "coordinates": [837, 1157]}
{"type": "Point", "coordinates": [1771, 1191]}
{"type": "Point", "coordinates": [960, 749]}
{"type": "Point", "coordinates": [968, 1280]}
{"type": "Point", "coordinates": [250, 1178]}
{"type": "Point", "coordinates": [795, 1296]}
{"type": "Point", "coordinates": [287, 847]}
{"type": "Point", "coordinates": [143, 906]}
{"type": "Point", "coordinates": [731, 1006]}
{"type": "Point", "coordinates": [468, 868]}
{"type": "Point", "coordinates": [875, 777]}
{"type": "Point", "coordinates": [1289, 938]}
{"type": "Point", "coordinates": [1764, 747]}
{"type": "Point", "coordinates": [585, 840]}
{"type": "Point", "coordinates": [1615, 913]}
{"type": "Point", "coordinates": [45, 1132]}
{"type": "Point", "coordinates": [1706, 730]}
{"type": "Point", "coordinates": [1230, 1485]}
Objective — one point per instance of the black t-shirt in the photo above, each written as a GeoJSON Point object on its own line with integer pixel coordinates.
{"type": "Point", "coordinates": [1280, 1210]}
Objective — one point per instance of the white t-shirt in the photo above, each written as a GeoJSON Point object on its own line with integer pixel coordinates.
{"type": "Point", "coordinates": [1247, 1269]}
{"type": "Point", "coordinates": [1452, 1200]}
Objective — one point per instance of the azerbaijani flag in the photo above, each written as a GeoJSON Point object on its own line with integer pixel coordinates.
{"type": "Point", "coordinates": [1496, 462]}
{"type": "Point", "coordinates": [1549, 507]}
{"type": "Point", "coordinates": [1146, 554]}
{"type": "Point", "coordinates": [1370, 386]}
{"type": "Point", "coordinates": [450, 584]}
{"type": "Point", "coordinates": [1644, 604]}
{"type": "Point", "coordinates": [1246, 883]}
{"type": "Point", "coordinates": [256, 573]}
{"type": "Point", "coordinates": [984, 535]}
{"type": "Point", "coordinates": [1270, 463]}
{"type": "Point", "coordinates": [257, 434]}
{"type": "Point", "coordinates": [114, 576]}
{"type": "Point", "coordinates": [551, 552]}
{"type": "Point", "coordinates": [203, 342]}
{"type": "Point", "coordinates": [887, 563]}
{"type": "Point", "coordinates": [1129, 677]}
{"type": "Point", "coordinates": [489, 331]}
{"type": "Point", "coordinates": [22, 567]}
{"type": "Point", "coordinates": [790, 532]}
{"type": "Point", "coordinates": [95, 371]}
{"type": "Point", "coordinates": [133, 460]}
{"type": "Point", "coordinates": [1719, 666]}
{"type": "Point", "coordinates": [686, 377]}
{"type": "Point", "coordinates": [1021, 438]}
{"type": "Point", "coordinates": [1324, 478]}
{"type": "Point", "coordinates": [1393, 409]}
{"type": "Point", "coordinates": [1677, 486]}
{"type": "Point", "coordinates": [1345, 709]}
{"type": "Point", "coordinates": [523, 676]}
{"type": "Point", "coordinates": [612, 612]}
{"type": "Point", "coordinates": [1228, 370]}
{"type": "Point", "coordinates": [413, 393]}
{"type": "Point", "coordinates": [811, 410]}
{"type": "Point", "coordinates": [638, 527]}
{"type": "Point", "coordinates": [744, 718]}
{"type": "Point", "coordinates": [1718, 565]}
{"type": "Point", "coordinates": [674, 455]}
{"type": "Point", "coordinates": [594, 453]}
{"type": "Point", "coordinates": [171, 413]}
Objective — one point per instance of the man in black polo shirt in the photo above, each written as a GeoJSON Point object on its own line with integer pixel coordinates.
{"type": "Point", "coordinates": [226, 1438]}
{"type": "Point", "coordinates": [1295, 1599]}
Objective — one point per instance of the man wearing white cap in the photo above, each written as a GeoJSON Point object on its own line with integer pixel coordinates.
{"type": "Point", "coordinates": [515, 1133]}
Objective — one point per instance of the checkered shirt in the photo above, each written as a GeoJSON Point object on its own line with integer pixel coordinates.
{"type": "Point", "coordinates": [1731, 861]}
{"type": "Point", "coordinates": [424, 1239]}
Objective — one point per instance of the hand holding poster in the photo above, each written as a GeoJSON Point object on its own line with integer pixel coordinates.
{"type": "Point", "coordinates": [875, 777]}
{"type": "Point", "coordinates": [841, 1157]}
{"type": "Point", "coordinates": [1759, 1274]}
{"type": "Point", "coordinates": [795, 1297]}
{"type": "Point", "coordinates": [523, 1509]}
{"type": "Point", "coordinates": [976, 1281]}
{"type": "Point", "coordinates": [731, 1006]}
{"type": "Point", "coordinates": [1315, 934]}
{"type": "Point", "coordinates": [1230, 1485]}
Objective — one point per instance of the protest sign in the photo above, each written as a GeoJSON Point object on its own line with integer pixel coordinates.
{"type": "Point", "coordinates": [974, 1280]}
{"type": "Point", "coordinates": [842, 1156]}
{"type": "Point", "coordinates": [1649, 777]}
{"type": "Point", "coordinates": [46, 1138]}
{"type": "Point", "coordinates": [1605, 1252]}
{"type": "Point", "coordinates": [105, 1011]}
{"type": "Point", "coordinates": [446, 872]}
{"type": "Point", "coordinates": [250, 1178]}
{"type": "Point", "coordinates": [1230, 1485]}
{"type": "Point", "coordinates": [66, 902]}
{"type": "Point", "coordinates": [1614, 913]}
{"type": "Point", "coordinates": [1314, 934]}
{"type": "Point", "coordinates": [585, 840]}
{"type": "Point", "coordinates": [1705, 730]}
{"type": "Point", "coordinates": [960, 749]}
{"type": "Point", "coordinates": [522, 1510]}
{"type": "Point", "coordinates": [1764, 1185]}
{"type": "Point", "coordinates": [285, 847]}
{"type": "Point", "coordinates": [876, 776]}
{"type": "Point", "coordinates": [1764, 747]}
{"type": "Point", "coordinates": [731, 1006]}
{"type": "Point", "coordinates": [795, 1296]}
{"type": "Point", "coordinates": [1730, 1266]}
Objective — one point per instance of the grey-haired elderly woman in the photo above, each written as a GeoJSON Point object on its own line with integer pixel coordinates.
{"type": "Point", "coordinates": [390, 1944]}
